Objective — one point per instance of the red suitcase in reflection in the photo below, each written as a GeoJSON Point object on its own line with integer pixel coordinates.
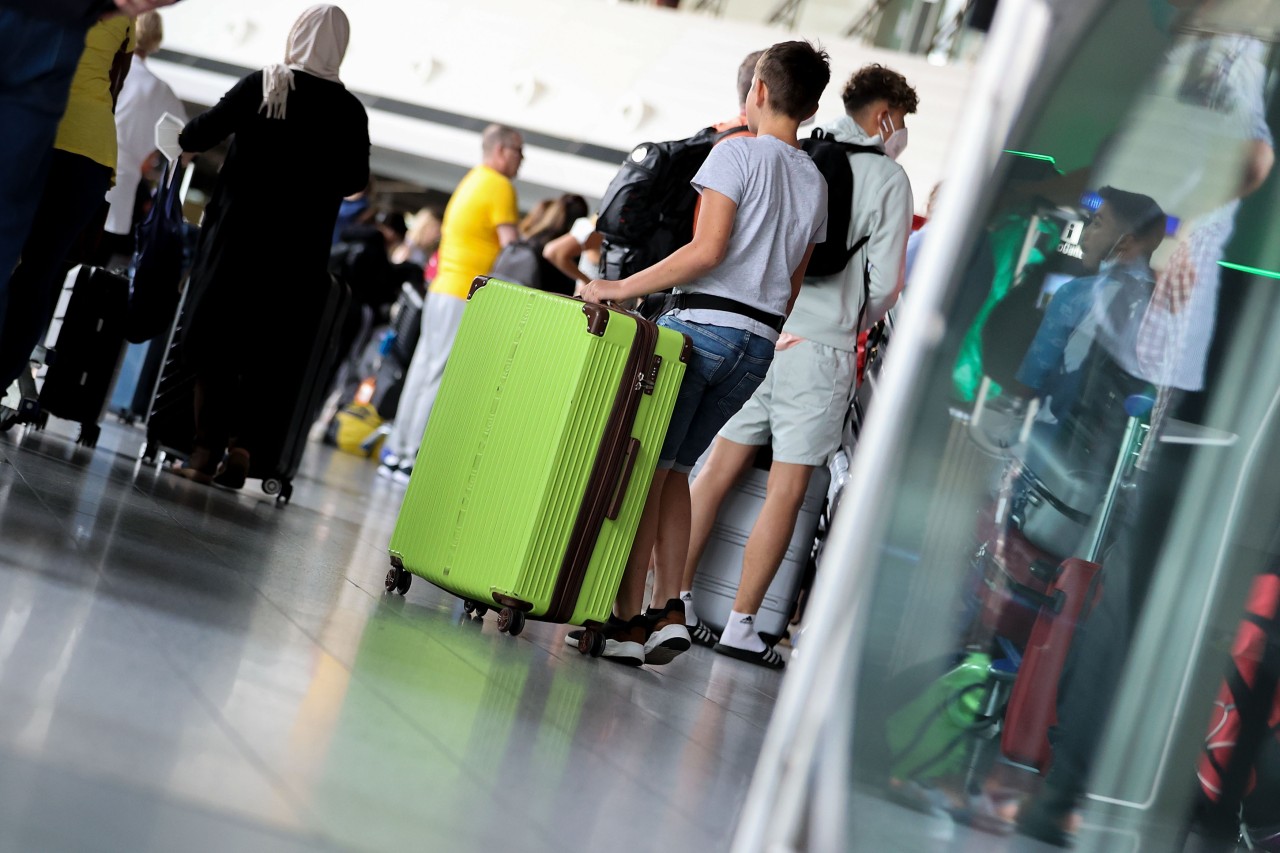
{"type": "Point", "coordinates": [1014, 580]}
{"type": "Point", "coordinates": [1033, 704]}
{"type": "Point", "coordinates": [1076, 590]}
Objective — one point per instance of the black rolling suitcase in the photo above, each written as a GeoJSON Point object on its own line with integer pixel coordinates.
{"type": "Point", "coordinates": [275, 461]}
{"type": "Point", "coordinates": [84, 358]}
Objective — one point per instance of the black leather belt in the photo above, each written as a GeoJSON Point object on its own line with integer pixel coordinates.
{"type": "Point", "coordinates": [708, 302]}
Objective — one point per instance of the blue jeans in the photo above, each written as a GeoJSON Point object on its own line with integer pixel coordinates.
{"type": "Point", "coordinates": [38, 58]}
{"type": "Point", "coordinates": [726, 368]}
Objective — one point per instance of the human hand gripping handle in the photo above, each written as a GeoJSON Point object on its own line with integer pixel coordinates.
{"type": "Point", "coordinates": [599, 291]}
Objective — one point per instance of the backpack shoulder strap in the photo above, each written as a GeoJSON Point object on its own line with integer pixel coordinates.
{"type": "Point", "coordinates": [851, 147]}
{"type": "Point", "coordinates": [729, 132]}
{"type": "Point", "coordinates": [854, 148]}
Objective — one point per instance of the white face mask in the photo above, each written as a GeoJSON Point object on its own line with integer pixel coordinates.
{"type": "Point", "coordinates": [896, 142]}
{"type": "Point", "coordinates": [1112, 260]}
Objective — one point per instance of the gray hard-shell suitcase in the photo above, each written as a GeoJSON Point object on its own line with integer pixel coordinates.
{"type": "Point", "coordinates": [720, 570]}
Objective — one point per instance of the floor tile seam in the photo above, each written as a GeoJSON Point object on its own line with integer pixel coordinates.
{"type": "Point", "coordinates": [194, 533]}
{"type": "Point", "coordinates": [557, 653]}
{"type": "Point", "coordinates": [163, 794]}
{"type": "Point", "coordinates": [76, 451]}
{"type": "Point", "coordinates": [63, 522]}
{"type": "Point", "coordinates": [248, 752]}
{"type": "Point", "coordinates": [466, 767]}
{"type": "Point", "coordinates": [413, 723]}
{"type": "Point", "coordinates": [605, 755]}
{"type": "Point", "coordinates": [763, 695]}
{"type": "Point", "coordinates": [211, 552]}
{"type": "Point", "coordinates": [311, 818]}
{"type": "Point", "coordinates": [391, 704]}
{"type": "Point", "coordinates": [592, 750]}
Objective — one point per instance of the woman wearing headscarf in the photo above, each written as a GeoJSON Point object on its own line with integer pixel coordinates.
{"type": "Point", "coordinates": [301, 143]}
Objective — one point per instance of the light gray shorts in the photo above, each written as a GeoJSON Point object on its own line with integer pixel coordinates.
{"type": "Point", "coordinates": [801, 406]}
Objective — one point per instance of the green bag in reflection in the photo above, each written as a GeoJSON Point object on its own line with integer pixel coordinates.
{"type": "Point", "coordinates": [931, 736]}
{"type": "Point", "coordinates": [1006, 239]}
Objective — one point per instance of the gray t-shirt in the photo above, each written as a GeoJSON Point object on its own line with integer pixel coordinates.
{"type": "Point", "coordinates": [782, 208]}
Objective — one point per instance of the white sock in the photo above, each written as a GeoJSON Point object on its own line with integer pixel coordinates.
{"type": "Point", "coordinates": [690, 618]}
{"type": "Point", "coordinates": [741, 633]}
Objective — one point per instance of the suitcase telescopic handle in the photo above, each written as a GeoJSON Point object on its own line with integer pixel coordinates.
{"type": "Point", "coordinates": [1137, 407]}
{"type": "Point", "coordinates": [624, 480]}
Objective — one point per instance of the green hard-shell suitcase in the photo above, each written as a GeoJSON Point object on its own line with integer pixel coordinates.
{"type": "Point", "coordinates": [538, 455]}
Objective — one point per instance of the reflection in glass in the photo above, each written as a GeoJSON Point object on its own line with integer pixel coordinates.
{"type": "Point", "coordinates": [1077, 524]}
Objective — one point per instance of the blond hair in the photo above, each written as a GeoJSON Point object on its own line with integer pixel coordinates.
{"type": "Point", "coordinates": [150, 31]}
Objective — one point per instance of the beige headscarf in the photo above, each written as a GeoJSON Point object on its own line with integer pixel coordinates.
{"type": "Point", "coordinates": [317, 43]}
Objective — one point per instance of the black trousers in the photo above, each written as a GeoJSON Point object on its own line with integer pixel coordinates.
{"type": "Point", "coordinates": [74, 193]}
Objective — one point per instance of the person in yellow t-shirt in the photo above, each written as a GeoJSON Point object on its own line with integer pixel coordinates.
{"type": "Point", "coordinates": [81, 170]}
{"type": "Point", "coordinates": [479, 220]}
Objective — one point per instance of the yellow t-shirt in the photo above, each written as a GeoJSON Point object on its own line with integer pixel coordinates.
{"type": "Point", "coordinates": [469, 243]}
{"type": "Point", "coordinates": [88, 126]}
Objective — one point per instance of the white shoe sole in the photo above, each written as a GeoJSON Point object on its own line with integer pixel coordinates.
{"type": "Point", "coordinates": [628, 652]}
{"type": "Point", "coordinates": [666, 644]}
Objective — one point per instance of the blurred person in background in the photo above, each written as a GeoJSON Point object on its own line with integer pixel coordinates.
{"type": "Point", "coordinates": [479, 221]}
{"type": "Point", "coordinates": [41, 41]}
{"type": "Point", "coordinates": [143, 100]}
{"type": "Point", "coordinates": [80, 170]}
{"type": "Point", "coordinates": [555, 223]}
{"type": "Point", "coordinates": [421, 241]}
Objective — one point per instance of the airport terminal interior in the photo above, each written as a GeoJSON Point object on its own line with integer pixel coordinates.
{"type": "Point", "coordinates": [1031, 599]}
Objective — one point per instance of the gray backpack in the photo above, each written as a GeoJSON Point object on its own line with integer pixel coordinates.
{"type": "Point", "coordinates": [518, 263]}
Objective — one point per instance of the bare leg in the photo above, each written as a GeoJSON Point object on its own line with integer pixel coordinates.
{"type": "Point", "coordinates": [771, 534]}
{"type": "Point", "coordinates": [673, 543]}
{"type": "Point", "coordinates": [727, 462]}
{"type": "Point", "coordinates": [630, 599]}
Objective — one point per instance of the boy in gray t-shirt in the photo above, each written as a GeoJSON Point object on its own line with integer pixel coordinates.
{"type": "Point", "coordinates": [764, 206]}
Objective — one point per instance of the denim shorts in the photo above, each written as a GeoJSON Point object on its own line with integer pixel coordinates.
{"type": "Point", "coordinates": [725, 369]}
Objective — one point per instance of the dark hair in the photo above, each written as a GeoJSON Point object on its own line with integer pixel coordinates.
{"type": "Point", "coordinates": [1138, 214]}
{"type": "Point", "coordinates": [747, 73]}
{"type": "Point", "coordinates": [392, 219]}
{"type": "Point", "coordinates": [796, 72]}
{"type": "Point", "coordinates": [575, 207]}
{"type": "Point", "coordinates": [874, 82]}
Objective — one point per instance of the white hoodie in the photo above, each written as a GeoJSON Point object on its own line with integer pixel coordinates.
{"type": "Point", "coordinates": [827, 308]}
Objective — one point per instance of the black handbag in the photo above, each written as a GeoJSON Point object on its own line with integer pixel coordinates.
{"type": "Point", "coordinates": [157, 277]}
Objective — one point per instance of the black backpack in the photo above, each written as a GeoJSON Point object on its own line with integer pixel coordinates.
{"type": "Point", "coordinates": [831, 157]}
{"type": "Point", "coordinates": [518, 264]}
{"type": "Point", "coordinates": [647, 211]}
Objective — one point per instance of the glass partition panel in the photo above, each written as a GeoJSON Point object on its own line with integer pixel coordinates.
{"type": "Point", "coordinates": [1058, 647]}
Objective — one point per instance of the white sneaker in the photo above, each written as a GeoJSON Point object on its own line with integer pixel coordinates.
{"type": "Point", "coordinates": [669, 636]}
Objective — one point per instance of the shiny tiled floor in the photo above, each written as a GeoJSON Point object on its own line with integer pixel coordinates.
{"type": "Point", "coordinates": [188, 669]}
